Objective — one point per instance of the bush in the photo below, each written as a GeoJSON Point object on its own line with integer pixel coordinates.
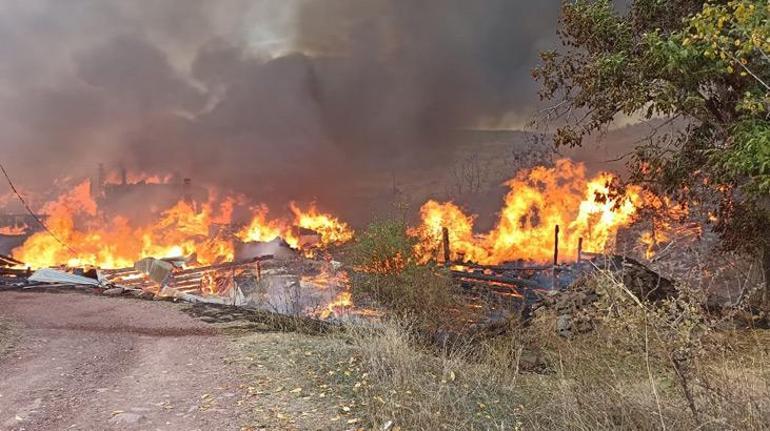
{"type": "Point", "coordinates": [386, 271]}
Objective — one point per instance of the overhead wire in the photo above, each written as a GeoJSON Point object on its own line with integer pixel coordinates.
{"type": "Point", "coordinates": [32, 213]}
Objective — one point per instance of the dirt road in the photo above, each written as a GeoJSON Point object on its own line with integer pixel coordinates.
{"type": "Point", "coordinates": [87, 362]}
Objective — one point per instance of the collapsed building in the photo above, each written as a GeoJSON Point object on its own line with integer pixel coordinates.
{"type": "Point", "coordinates": [166, 238]}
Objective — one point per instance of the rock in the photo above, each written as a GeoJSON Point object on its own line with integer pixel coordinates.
{"type": "Point", "coordinates": [142, 294]}
{"type": "Point", "coordinates": [564, 325]}
{"type": "Point", "coordinates": [208, 319]}
{"type": "Point", "coordinates": [115, 291]}
{"type": "Point", "coordinates": [126, 418]}
{"type": "Point", "coordinates": [645, 283]}
{"type": "Point", "coordinates": [532, 362]}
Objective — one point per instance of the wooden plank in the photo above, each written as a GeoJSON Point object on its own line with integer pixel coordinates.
{"type": "Point", "coordinates": [508, 267]}
{"type": "Point", "coordinates": [227, 265]}
{"type": "Point", "coordinates": [487, 287]}
{"type": "Point", "coordinates": [9, 261]}
{"type": "Point", "coordinates": [15, 272]}
{"type": "Point", "coordinates": [497, 279]}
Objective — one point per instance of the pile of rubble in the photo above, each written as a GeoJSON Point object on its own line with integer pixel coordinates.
{"type": "Point", "coordinates": [516, 289]}
{"type": "Point", "coordinates": [12, 271]}
{"type": "Point", "coordinates": [274, 278]}
{"type": "Point", "coordinates": [572, 304]}
{"type": "Point", "coordinates": [289, 285]}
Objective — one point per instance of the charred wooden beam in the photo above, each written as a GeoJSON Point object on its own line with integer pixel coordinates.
{"type": "Point", "coordinates": [227, 265]}
{"type": "Point", "coordinates": [497, 279]}
{"type": "Point", "coordinates": [508, 268]}
{"type": "Point", "coordinates": [15, 272]}
{"type": "Point", "coordinates": [9, 261]}
{"type": "Point", "coordinates": [496, 289]}
{"type": "Point", "coordinates": [555, 256]}
{"type": "Point", "coordinates": [445, 238]}
{"type": "Point", "coordinates": [119, 272]}
{"type": "Point", "coordinates": [580, 249]}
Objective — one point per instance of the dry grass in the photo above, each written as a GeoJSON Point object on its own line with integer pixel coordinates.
{"type": "Point", "coordinates": [643, 367]}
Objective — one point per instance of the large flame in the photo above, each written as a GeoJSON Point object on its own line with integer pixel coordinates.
{"type": "Point", "coordinates": [329, 228]}
{"type": "Point", "coordinates": [79, 234]}
{"type": "Point", "coordinates": [261, 228]}
{"type": "Point", "coordinates": [539, 199]}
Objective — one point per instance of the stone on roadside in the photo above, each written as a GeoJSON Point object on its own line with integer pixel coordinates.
{"type": "Point", "coordinates": [115, 291]}
{"type": "Point", "coordinates": [126, 418]}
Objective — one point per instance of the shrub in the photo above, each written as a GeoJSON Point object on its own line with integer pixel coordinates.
{"type": "Point", "coordinates": [386, 270]}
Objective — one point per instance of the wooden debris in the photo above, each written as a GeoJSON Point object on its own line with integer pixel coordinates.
{"type": "Point", "coordinates": [9, 261]}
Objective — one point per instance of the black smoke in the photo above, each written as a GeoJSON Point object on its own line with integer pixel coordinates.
{"type": "Point", "coordinates": [295, 100]}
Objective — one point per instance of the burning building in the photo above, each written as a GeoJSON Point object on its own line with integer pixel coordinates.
{"type": "Point", "coordinates": [143, 196]}
{"type": "Point", "coordinates": [169, 238]}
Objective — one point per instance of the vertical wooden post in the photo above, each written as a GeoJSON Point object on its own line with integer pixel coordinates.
{"type": "Point", "coordinates": [555, 256]}
{"type": "Point", "coordinates": [580, 249]}
{"type": "Point", "coordinates": [445, 242]}
{"type": "Point", "coordinates": [234, 286]}
{"type": "Point", "coordinates": [556, 246]}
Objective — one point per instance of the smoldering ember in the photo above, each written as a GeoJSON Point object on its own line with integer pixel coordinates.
{"type": "Point", "coordinates": [382, 215]}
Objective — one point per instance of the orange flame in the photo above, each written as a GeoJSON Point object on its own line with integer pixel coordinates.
{"type": "Point", "coordinates": [182, 230]}
{"type": "Point", "coordinates": [342, 301]}
{"type": "Point", "coordinates": [14, 230]}
{"type": "Point", "coordinates": [330, 229]}
{"type": "Point", "coordinates": [667, 223]}
{"type": "Point", "coordinates": [538, 200]}
{"type": "Point", "coordinates": [262, 229]}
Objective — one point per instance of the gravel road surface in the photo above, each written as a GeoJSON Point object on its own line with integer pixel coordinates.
{"type": "Point", "coordinates": [87, 362]}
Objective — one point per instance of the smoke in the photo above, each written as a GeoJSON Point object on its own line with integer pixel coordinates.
{"type": "Point", "coordinates": [275, 98]}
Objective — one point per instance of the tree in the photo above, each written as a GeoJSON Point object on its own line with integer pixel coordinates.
{"type": "Point", "coordinates": [704, 64]}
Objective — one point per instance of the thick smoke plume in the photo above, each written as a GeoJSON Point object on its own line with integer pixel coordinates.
{"type": "Point", "coordinates": [278, 99]}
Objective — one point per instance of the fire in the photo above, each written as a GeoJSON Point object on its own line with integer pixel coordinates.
{"type": "Point", "coordinates": [84, 236]}
{"type": "Point", "coordinates": [330, 228]}
{"type": "Point", "coordinates": [342, 301]}
{"type": "Point", "coordinates": [260, 228]}
{"type": "Point", "coordinates": [14, 230]}
{"type": "Point", "coordinates": [114, 177]}
{"type": "Point", "coordinates": [329, 278]}
{"type": "Point", "coordinates": [435, 216]}
{"type": "Point", "coordinates": [538, 200]}
{"type": "Point", "coordinates": [667, 224]}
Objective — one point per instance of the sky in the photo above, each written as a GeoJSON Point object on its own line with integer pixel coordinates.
{"type": "Point", "coordinates": [261, 96]}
